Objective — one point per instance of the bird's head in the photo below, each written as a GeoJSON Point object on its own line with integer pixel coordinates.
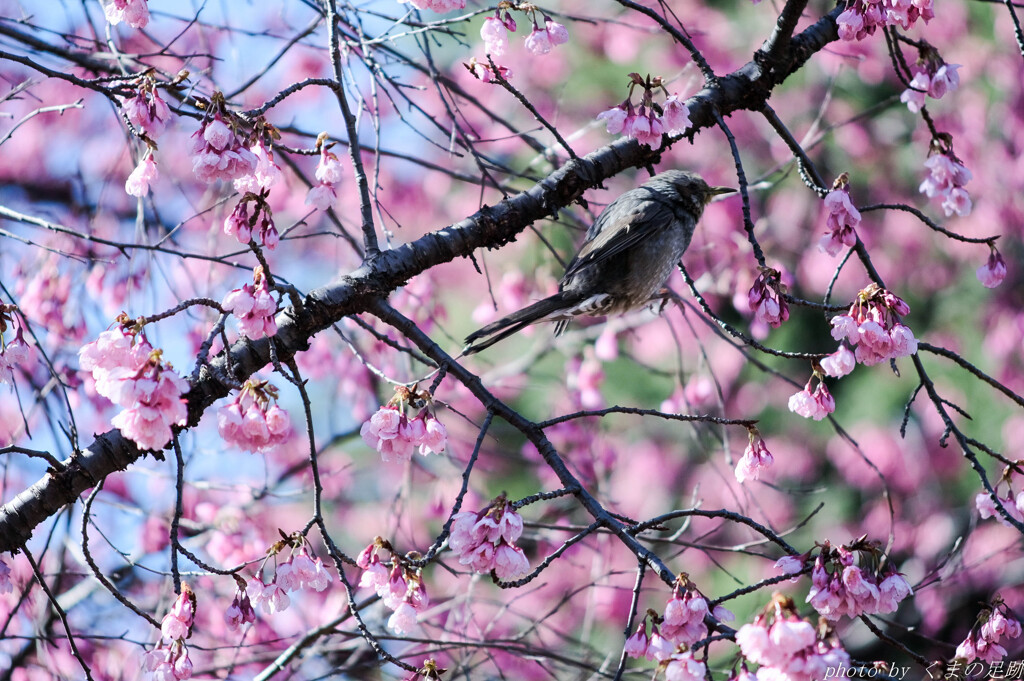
{"type": "Point", "coordinates": [690, 187]}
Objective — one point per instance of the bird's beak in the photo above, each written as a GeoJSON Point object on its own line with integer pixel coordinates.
{"type": "Point", "coordinates": [715, 191]}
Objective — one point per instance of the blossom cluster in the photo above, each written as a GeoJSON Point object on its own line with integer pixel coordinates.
{"type": "Point", "coordinates": [218, 153]}
{"type": "Point", "coordinates": [299, 572]}
{"type": "Point", "coordinates": [147, 111]}
{"type": "Point", "coordinates": [328, 173]}
{"type": "Point", "coordinates": [259, 224]}
{"type": "Point", "coordinates": [395, 436]}
{"type": "Point", "coordinates": [873, 327]}
{"type": "Point", "coordinates": [266, 173]}
{"type": "Point", "coordinates": [400, 588]}
{"type": "Point", "coordinates": [681, 625]}
{"type": "Point", "coordinates": [253, 306]}
{"type": "Point", "coordinates": [863, 17]}
{"type": "Point", "coordinates": [788, 647]}
{"type": "Point", "coordinates": [240, 611]}
{"type": "Point", "coordinates": [1013, 505]}
{"type": "Point", "coordinates": [251, 422]}
{"type": "Point", "coordinates": [130, 373]}
{"type": "Point", "coordinates": [645, 124]}
{"type": "Point", "coordinates": [850, 588]}
{"type": "Point", "coordinates": [765, 298]}
{"type": "Point", "coordinates": [992, 273]}
{"type": "Point", "coordinates": [439, 6]}
{"type": "Point", "coordinates": [169, 661]}
{"type": "Point", "coordinates": [11, 355]}
{"type": "Point", "coordinates": [843, 217]}
{"type": "Point", "coordinates": [983, 641]}
{"type": "Point", "coordinates": [933, 79]}
{"type": "Point", "coordinates": [135, 13]}
{"type": "Point", "coordinates": [946, 180]}
{"type": "Point", "coordinates": [546, 34]}
{"type": "Point", "coordinates": [486, 540]}
{"type": "Point", "coordinates": [756, 458]}
{"type": "Point", "coordinates": [816, 404]}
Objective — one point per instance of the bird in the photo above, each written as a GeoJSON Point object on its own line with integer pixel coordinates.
{"type": "Point", "coordinates": [626, 258]}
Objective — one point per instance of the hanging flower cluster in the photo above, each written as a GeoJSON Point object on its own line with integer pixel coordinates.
{"type": "Point", "coordinates": [863, 17]}
{"type": "Point", "coordinates": [298, 572]}
{"type": "Point", "coordinates": [170, 660]}
{"type": "Point", "coordinates": [130, 373]}
{"type": "Point", "coordinates": [135, 13]}
{"type": "Point", "coordinates": [546, 33]}
{"type": "Point", "coordinates": [766, 300]}
{"type": "Point", "coordinates": [486, 540]}
{"type": "Point", "coordinates": [816, 404]}
{"type": "Point", "coordinates": [439, 6]}
{"type": "Point", "coordinates": [252, 422]}
{"type": "Point", "coordinates": [650, 120]}
{"type": "Point", "coordinates": [854, 580]}
{"type": "Point", "coordinates": [843, 217]}
{"type": "Point", "coordinates": [932, 78]}
{"type": "Point", "coordinates": [396, 436]}
{"type": "Point", "coordinates": [15, 352]}
{"type": "Point", "coordinates": [328, 173]}
{"type": "Point", "coordinates": [258, 225]}
{"type": "Point", "coordinates": [400, 587]}
{"type": "Point", "coordinates": [756, 458]}
{"type": "Point", "coordinates": [681, 625]}
{"type": "Point", "coordinates": [241, 610]}
{"type": "Point", "coordinates": [946, 180]}
{"type": "Point", "coordinates": [266, 173]}
{"type": "Point", "coordinates": [1012, 503]}
{"type": "Point", "coordinates": [789, 647]}
{"type": "Point", "coordinates": [147, 111]}
{"type": "Point", "coordinates": [220, 152]}
{"type": "Point", "coordinates": [873, 327]}
{"type": "Point", "coordinates": [253, 306]}
{"type": "Point", "coordinates": [992, 273]}
{"type": "Point", "coordinates": [994, 623]}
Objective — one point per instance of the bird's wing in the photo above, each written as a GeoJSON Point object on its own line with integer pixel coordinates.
{"type": "Point", "coordinates": [622, 225]}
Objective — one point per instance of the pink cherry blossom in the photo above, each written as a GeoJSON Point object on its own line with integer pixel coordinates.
{"type": "Point", "coordinates": [328, 169]}
{"type": "Point", "coordinates": [322, 196]}
{"type": "Point", "coordinates": [135, 13]}
{"type": "Point", "coordinates": [765, 298]}
{"type": "Point", "coordinates": [946, 79]}
{"type": "Point", "coordinates": [251, 422]}
{"type": "Point", "coordinates": [266, 174]}
{"type": "Point", "coordinates": [914, 96]}
{"type": "Point", "coordinates": [218, 153]}
{"type": "Point", "coordinates": [614, 118]}
{"type": "Point", "coordinates": [636, 645]}
{"type": "Point", "coordinates": [839, 363]}
{"type": "Point", "coordinates": [253, 306]}
{"type": "Point", "coordinates": [683, 667]}
{"type": "Point", "coordinates": [816, 405]}
{"type": "Point", "coordinates": [756, 458]}
{"type": "Point", "coordinates": [843, 217]}
{"type": "Point", "coordinates": [675, 115]}
{"type": "Point", "coordinates": [147, 111]}
{"type": "Point", "coordinates": [992, 273]}
{"type": "Point", "coordinates": [439, 6]}
{"type": "Point", "coordinates": [144, 175]}
{"type": "Point", "coordinates": [494, 33]}
{"type": "Point", "coordinates": [11, 355]}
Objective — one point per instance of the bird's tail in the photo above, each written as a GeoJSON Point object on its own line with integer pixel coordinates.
{"type": "Point", "coordinates": [513, 323]}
